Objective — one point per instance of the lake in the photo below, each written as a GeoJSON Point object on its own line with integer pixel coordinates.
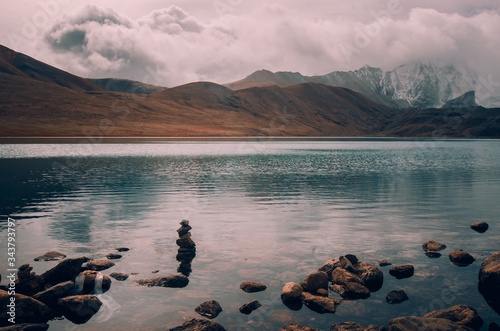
{"type": "Point", "coordinates": [270, 212]}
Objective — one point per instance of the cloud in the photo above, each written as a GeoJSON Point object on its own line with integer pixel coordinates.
{"type": "Point", "coordinates": [170, 46]}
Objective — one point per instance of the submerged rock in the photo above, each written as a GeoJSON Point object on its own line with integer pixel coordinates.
{"type": "Point", "coordinates": [402, 271]}
{"type": "Point", "coordinates": [315, 281]}
{"type": "Point", "coordinates": [112, 256]}
{"type": "Point", "coordinates": [79, 308]}
{"type": "Point", "coordinates": [351, 326]}
{"type": "Point", "coordinates": [384, 263]}
{"type": "Point", "coordinates": [433, 254]}
{"type": "Point", "coordinates": [120, 276]}
{"type": "Point", "coordinates": [461, 314]}
{"type": "Point", "coordinates": [50, 256]}
{"type": "Point", "coordinates": [177, 281]}
{"type": "Point", "coordinates": [396, 296]}
{"type": "Point", "coordinates": [198, 324]}
{"type": "Point", "coordinates": [431, 245]}
{"type": "Point", "coordinates": [52, 294]}
{"type": "Point", "coordinates": [412, 323]}
{"type": "Point", "coordinates": [122, 249]}
{"type": "Point", "coordinates": [26, 309]}
{"type": "Point", "coordinates": [319, 304]}
{"type": "Point", "coordinates": [210, 309]}
{"type": "Point", "coordinates": [489, 281]}
{"type": "Point", "coordinates": [480, 227]}
{"type": "Point", "coordinates": [296, 327]}
{"type": "Point", "coordinates": [98, 265]}
{"type": "Point", "coordinates": [461, 258]}
{"type": "Point", "coordinates": [351, 291]}
{"type": "Point", "coordinates": [26, 327]}
{"type": "Point", "coordinates": [251, 287]}
{"type": "Point", "coordinates": [248, 307]}
{"type": "Point", "coordinates": [291, 292]}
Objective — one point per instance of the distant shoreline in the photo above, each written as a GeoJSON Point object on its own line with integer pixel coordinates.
{"type": "Point", "coordinates": [132, 140]}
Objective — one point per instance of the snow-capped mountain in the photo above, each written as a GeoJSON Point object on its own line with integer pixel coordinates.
{"type": "Point", "coordinates": [422, 85]}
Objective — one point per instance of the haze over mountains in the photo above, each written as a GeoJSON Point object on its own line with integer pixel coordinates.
{"type": "Point", "coordinates": [39, 100]}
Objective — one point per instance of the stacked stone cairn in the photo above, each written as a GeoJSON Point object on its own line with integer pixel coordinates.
{"type": "Point", "coordinates": [187, 248]}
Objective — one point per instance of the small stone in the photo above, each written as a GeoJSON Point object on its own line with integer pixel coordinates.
{"type": "Point", "coordinates": [79, 308]}
{"type": "Point", "coordinates": [122, 249]}
{"type": "Point", "coordinates": [402, 271]}
{"type": "Point", "coordinates": [112, 256]}
{"type": "Point", "coordinates": [461, 258]}
{"type": "Point", "coordinates": [184, 223]}
{"type": "Point", "coordinates": [155, 271]}
{"type": "Point", "coordinates": [433, 254]}
{"type": "Point", "coordinates": [185, 241]}
{"type": "Point", "coordinates": [251, 287]}
{"type": "Point", "coordinates": [51, 256]}
{"type": "Point", "coordinates": [210, 309]}
{"type": "Point", "coordinates": [120, 276]}
{"type": "Point", "coordinates": [183, 230]}
{"type": "Point", "coordinates": [480, 227]}
{"type": "Point", "coordinates": [431, 245]}
{"type": "Point", "coordinates": [396, 296]}
{"type": "Point", "coordinates": [177, 281]}
{"type": "Point", "coordinates": [322, 292]}
{"type": "Point", "coordinates": [384, 263]}
{"type": "Point", "coordinates": [98, 265]}
{"type": "Point", "coordinates": [296, 327]}
{"type": "Point", "coordinates": [315, 281]}
{"type": "Point", "coordinates": [291, 292]}
{"type": "Point", "coordinates": [199, 324]}
{"type": "Point", "coordinates": [248, 307]}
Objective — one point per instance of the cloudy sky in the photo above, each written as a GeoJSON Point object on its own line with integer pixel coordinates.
{"type": "Point", "coordinates": [174, 42]}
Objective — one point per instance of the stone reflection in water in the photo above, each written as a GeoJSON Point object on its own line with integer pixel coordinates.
{"type": "Point", "coordinates": [187, 248]}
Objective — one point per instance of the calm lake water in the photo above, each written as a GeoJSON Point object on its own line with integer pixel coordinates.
{"type": "Point", "coordinates": [270, 212]}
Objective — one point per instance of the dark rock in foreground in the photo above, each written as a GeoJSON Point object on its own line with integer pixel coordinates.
{"type": "Point", "coordinates": [198, 324]}
{"type": "Point", "coordinates": [402, 271]}
{"type": "Point", "coordinates": [177, 281]}
{"type": "Point", "coordinates": [432, 245]}
{"type": "Point", "coordinates": [50, 256]}
{"type": "Point", "coordinates": [412, 323]}
{"type": "Point", "coordinates": [319, 304]}
{"type": "Point", "coordinates": [396, 296]}
{"type": "Point", "coordinates": [315, 281]}
{"type": "Point", "coordinates": [248, 307]}
{"type": "Point", "coordinates": [98, 265]}
{"type": "Point", "coordinates": [79, 308]}
{"type": "Point", "coordinates": [296, 327]}
{"type": "Point", "coordinates": [351, 326]}
{"type": "Point", "coordinates": [489, 281]}
{"type": "Point", "coordinates": [52, 294]}
{"type": "Point", "coordinates": [493, 327]}
{"type": "Point", "coordinates": [480, 227]}
{"type": "Point", "coordinates": [26, 327]}
{"type": "Point", "coordinates": [461, 258]}
{"type": "Point", "coordinates": [65, 270]}
{"type": "Point", "coordinates": [251, 287]}
{"type": "Point", "coordinates": [461, 314]}
{"type": "Point", "coordinates": [210, 309]}
{"type": "Point", "coordinates": [27, 310]}
{"type": "Point", "coordinates": [120, 276]}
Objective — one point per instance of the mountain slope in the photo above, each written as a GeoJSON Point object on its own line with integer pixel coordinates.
{"type": "Point", "coordinates": [126, 86]}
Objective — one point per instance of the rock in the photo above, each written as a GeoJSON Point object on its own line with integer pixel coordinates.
{"type": "Point", "coordinates": [396, 296]}
{"type": "Point", "coordinates": [112, 256]}
{"type": "Point", "coordinates": [346, 263]}
{"type": "Point", "coordinates": [120, 276]}
{"type": "Point", "coordinates": [176, 281]}
{"type": "Point", "coordinates": [210, 309]}
{"type": "Point", "coordinates": [351, 291]}
{"type": "Point", "coordinates": [315, 281]}
{"type": "Point", "coordinates": [198, 324]}
{"type": "Point", "coordinates": [251, 287]}
{"type": "Point", "coordinates": [183, 230]}
{"type": "Point", "coordinates": [480, 227]}
{"type": "Point", "coordinates": [319, 304]}
{"type": "Point", "coordinates": [352, 258]}
{"type": "Point", "coordinates": [461, 314]}
{"type": "Point", "coordinates": [371, 276]}
{"type": "Point", "coordinates": [489, 281]}
{"type": "Point", "coordinates": [493, 327]}
{"type": "Point", "coordinates": [50, 256]}
{"type": "Point", "coordinates": [184, 223]}
{"type": "Point", "coordinates": [296, 327]}
{"type": "Point", "coordinates": [329, 267]}
{"type": "Point", "coordinates": [402, 271]}
{"type": "Point", "coordinates": [65, 270]}
{"type": "Point", "coordinates": [185, 241]}
{"type": "Point", "coordinates": [412, 323]}
{"type": "Point", "coordinates": [291, 292]}
{"type": "Point", "coordinates": [351, 326]}
{"type": "Point", "coordinates": [79, 308]}
{"type": "Point", "coordinates": [26, 327]}
{"type": "Point", "coordinates": [28, 283]}
{"type": "Point", "coordinates": [89, 282]}
{"type": "Point", "coordinates": [52, 294]}
{"type": "Point", "coordinates": [122, 249]}
{"type": "Point", "coordinates": [432, 254]}
{"type": "Point", "coordinates": [26, 309]}
{"type": "Point", "coordinates": [384, 263]}
{"type": "Point", "coordinates": [321, 292]}
{"type": "Point", "coordinates": [431, 245]}
{"type": "Point", "coordinates": [341, 276]}
{"type": "Point", "coordinates": [155, 271]}
{"type": "Point", "coordinates": [24, 272]}
{"type": "Point", "coordinates": [461, 258]}
{"type": "Point", "coordinates": [98, 265]}
{"type": "Point", "coordinates": [248, 307]}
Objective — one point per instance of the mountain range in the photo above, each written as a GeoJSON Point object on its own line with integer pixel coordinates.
{"type": "Point", "coordinates": [37, 99]}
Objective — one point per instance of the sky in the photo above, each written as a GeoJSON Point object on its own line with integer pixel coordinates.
{"type": "Point", "coordinates": [169, 43]}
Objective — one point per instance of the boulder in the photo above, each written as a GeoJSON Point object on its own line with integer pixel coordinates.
{"type": "Point", "coordinates": [248, 307]}
{"type": "Point", "coordinates": [480, 227]}
{"type": "Point", "coordinates": [346, 263]}
{"type": "Point", "coordinates": [89, 282]}
{"type": "Point", "coordinates": [352, 258]}
{"type": "Point", "coordinates": [461, 314]}
{"type": "Point", "coordinates": [112, 256]}
{"type": "Point", "coordinates": [65, 270]}
{"type": "Point", "coordinates": [412, 323]}
{"type": "Point", "coordinates": [251, 287]}
{"type": "Point", "coordinates": [371, 276]}
{"type": "Point", "coordinates": [315, 281]}
{"type": "Point", "coordinates": [329, 267]}
{"type": "Point", "coordinates": [351, 291]}
{"type": "Point", "coordinates": [98, 265]}
{"type": "Point", "coordinates": [198, 324]}
{"type": "Point", "coordinates": [396, 296]}
{"type": "Point", "coordinates": [79, 308]}
{"type": "Point", "coordinates": [461, 258]}
{"type": "Point", "coordinates": [52, 294]}
{"type": "Point", "coordinates": [210, 309]}
{"type": "Point", "coordinates": [384, 263]}
{"type": "Point", "coordinates": [50, 256]}
{"type": "Point", "coordinates": [296, 327]}
{"type": "Point", "coordinates": [26, 327]}
{"type": "Point", "coordinates": [176, 281]}
{"type": "Point", "coordinates": [489, 281]}
{"type": "Point", "coordinates": [402, 271]}
{"type": "Point", "coordinates": [319, 304]}
{"type": "Point", "coordinates": [120, 276]}
{"type": "Point", "coordinates": [341, 276]}
{"type": "Point", "coordinates": [431, 245]}
{"type": "Point", "coordinates": [291, 292]}
{"type": "Point", "coordinates": [351, 326]}
{"type": "Point", "coordinates": [26, 309]}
